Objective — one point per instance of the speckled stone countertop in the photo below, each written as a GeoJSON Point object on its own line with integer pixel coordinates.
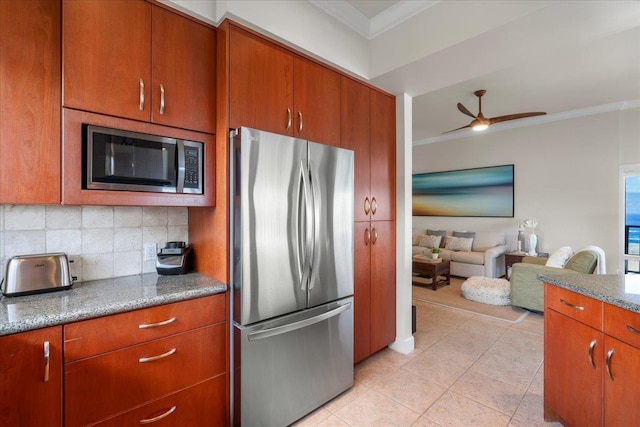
{"type": "Point", "coordinates": [99, 298]}
{"type": "Point", "coordinates": [616, 289]}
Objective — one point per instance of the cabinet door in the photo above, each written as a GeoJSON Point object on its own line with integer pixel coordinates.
{"type": "Point", "coordinates": [383, 284]}
{"type": "Point", "coordinates": [30, 101]}
{"type": "Point", "coordinates": [107, 60]}
{"type": "Point", "coordinates": [362, 292]}
{"type": "Point", "coordinates": [261, 84]}
{"type": "Point", "coordinates": [317, 103]}
{"type": "Point", "coordinates": [183, 67]}
{"type": "Point", "coordinates": [355, 136]}
{"type": "Point", "coordinates": [572, 385]}
{"type": "Point", "coordinates": [621, 397]}
{"type": "Point", "coordinates": [27, 396]}
{"type": "Point", "coordinates": [383, 156]}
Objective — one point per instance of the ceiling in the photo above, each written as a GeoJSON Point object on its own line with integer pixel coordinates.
{"type": "Point", "coordinates": [567, 58]}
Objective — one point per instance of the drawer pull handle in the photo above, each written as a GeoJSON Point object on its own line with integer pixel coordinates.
{"type": "Point", "coordinates": [367, 206]}
{"type": "Point", "coordinates": [288, 119]}
{"type": "Point", "coordinates": [608, 363]}
{"type": "Point", "coordinates": [577, 307]}
{"type": "Point", "coordinates": [633, 330]}
{"type": "Point", "coordinates": [158, 357]}
{"type": "Point", "coordinates": [374, 206]}
{"type": "Point", "coordinates": [592, 345]}
{"type": "Point", "coordinates": [155, 325]}
{"type": "Point", "coordinates": [46, 361]}
{"type": "Point", "coordinates": [300, 124]}
{"type": "Point", "coordinates": [161, 99]}
{"type": "Point", "coordinates": [159, 417]}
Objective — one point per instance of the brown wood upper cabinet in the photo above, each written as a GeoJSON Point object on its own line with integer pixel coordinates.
{"type": "Point", "coordinates": [30, 101]}
{"type": "Point", "coordinates": [132, 59]}
{"type": "Point", "coordinates": [368, 128]}
{"type": "Point", "coordinates": [275, 90]}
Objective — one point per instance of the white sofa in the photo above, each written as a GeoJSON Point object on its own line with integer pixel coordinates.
{"type": "Point", "coordinates": [486, 257]}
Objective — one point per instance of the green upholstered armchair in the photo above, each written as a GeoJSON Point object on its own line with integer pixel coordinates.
{"type": "Point", "coordinates": [528, 292]}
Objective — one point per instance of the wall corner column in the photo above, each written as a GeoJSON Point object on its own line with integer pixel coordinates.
{"type": "Point", "coordinates": [404, 342]}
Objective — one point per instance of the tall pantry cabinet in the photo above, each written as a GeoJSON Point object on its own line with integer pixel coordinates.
{"type": "Point", "coordinates": [368, 128]}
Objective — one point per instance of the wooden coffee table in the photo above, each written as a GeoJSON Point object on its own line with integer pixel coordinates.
{"type": "Point", "coordinates": [432, 270]}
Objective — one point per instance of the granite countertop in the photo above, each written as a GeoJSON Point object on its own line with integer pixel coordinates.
{"type": "Point", "coordinates": [616, 289]}
{"type": "Point", "coordinates": [99, 298]}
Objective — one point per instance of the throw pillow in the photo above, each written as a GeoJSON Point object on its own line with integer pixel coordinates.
{"type": "Point", "coordinates": [458, 243]}
{"type": "Point", "coordinates": [416, 239]}
{"type": "Point", "coordinates": [559, 257]}
{"type": "Point", "coordinates": [429, 241]}
{"type": "Point", "coordinates": [467, 234]}
{"type": "Point", "coordinates": [441, 233]}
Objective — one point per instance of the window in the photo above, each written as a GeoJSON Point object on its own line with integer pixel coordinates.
{"type": "Point", "coordinates": [631, 220]}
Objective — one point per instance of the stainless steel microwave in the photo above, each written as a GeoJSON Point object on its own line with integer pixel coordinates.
{"type": "Point", "coordinates": [115, 159]}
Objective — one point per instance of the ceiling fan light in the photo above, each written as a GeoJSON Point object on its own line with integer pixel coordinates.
{"type": "Point", "coordinates": [479, 125]}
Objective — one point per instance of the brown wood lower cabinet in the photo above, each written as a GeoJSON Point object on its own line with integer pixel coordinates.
{"type": "Point", "coordinates": [31, 384]}
{"type": "Point", "coordinates": [591, 361]}
{"type": "Point", "coordinates": [146, 376]}
{"type": "Point", "coordinates": [375, 287]}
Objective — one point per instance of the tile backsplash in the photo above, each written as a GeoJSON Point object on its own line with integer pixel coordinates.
{"type": "Point", "coordinates": [102, 241]}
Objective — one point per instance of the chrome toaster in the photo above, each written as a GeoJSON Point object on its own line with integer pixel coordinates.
{"type": "Point", "coordinates": [31, 274]}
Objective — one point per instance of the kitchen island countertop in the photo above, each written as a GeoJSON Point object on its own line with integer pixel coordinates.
{"type": "Point", "coordinates": [616, 289]}
{"type": "Point", "coordinates": [96, 298]}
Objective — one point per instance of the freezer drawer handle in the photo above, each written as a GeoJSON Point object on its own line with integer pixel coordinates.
{"type": "Point", "coordinates": [155, 325]}
{"type": "Point", "coordinates": [298, 325]}
{"type": "Point", "coordinates": [159, 417]}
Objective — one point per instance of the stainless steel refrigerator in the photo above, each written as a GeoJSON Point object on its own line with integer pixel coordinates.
{"type": "Point", "coordinates": [292, 276]}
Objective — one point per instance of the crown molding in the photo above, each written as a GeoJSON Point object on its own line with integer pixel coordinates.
{"type": "Point", "coordinates": [370, 28]}
{"type": "Point", "coordinates": [565, 115]}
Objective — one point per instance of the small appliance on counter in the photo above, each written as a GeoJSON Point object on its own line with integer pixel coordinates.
{"type": "Point", "coordinates": [32, 274]}
{"type": "Point", "coordinates": [174, 258]}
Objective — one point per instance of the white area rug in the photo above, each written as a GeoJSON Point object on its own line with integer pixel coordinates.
{"type": "Point", "coordinates": [487, 290]}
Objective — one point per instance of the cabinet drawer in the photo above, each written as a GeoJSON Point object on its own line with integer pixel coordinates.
{"type": "Point", "coordinates": [100, 386]}
{"type": "Point", "coordinates": [622, 324]}
{"type": "Point", "coordinates": [579, 307]}
{"type": "Point", "coordinates": [203, 404]}
{"type": "Point", "coordinates": [95, 336]}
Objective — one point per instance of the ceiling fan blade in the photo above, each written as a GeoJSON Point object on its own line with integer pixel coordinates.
{"type": "Point", "coordinates": [464, 110]}
{"type": "Point", "coordinates": [453, 130]}
{"type": "Point", "coordinates": [514, 117]}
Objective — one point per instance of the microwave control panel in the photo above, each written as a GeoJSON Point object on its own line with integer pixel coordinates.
{"type": "Point", "coordinates": [191, 167]}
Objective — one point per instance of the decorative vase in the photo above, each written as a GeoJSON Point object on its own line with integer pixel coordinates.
{"type": "Point", "coordinates": [522, 247]}
{"type": "Point", "coordinates": [532, 241]}
{"type": "Point", "coordinates": [434, 256]}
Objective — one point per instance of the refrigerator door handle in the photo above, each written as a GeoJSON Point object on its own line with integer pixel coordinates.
{"type": "Point", "coordinates": [315, 228]}
{"type": "Point", "coordinates": [279, 330]}
{"type": "Point", "coordinates": [308, 227]}
{"type": "Point", "coordinates": [299, 225]}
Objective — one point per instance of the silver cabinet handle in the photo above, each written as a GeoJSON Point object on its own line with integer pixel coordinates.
{"type": "Point", "coordinates": [608, 363]}
{"type": "Point", "coordinates": [46, 361]}
{"type": "Point", "coordinates": [374, 238]}
{"type": "Point", "coordinates": [374, 206]}
{"type": "Point", "coordinates": [300, 122]}
{"type": "Point", "coordinates": [159, 417]}
{"type": "Point", "coordinates": [155, 325]}
{"type": "Point", "coordinates": [288, 119]}
{"type": "Point", "coordinates": [633, 330]}
{"type": "Point", "coordinates": [577, 307]}
{"type": "Point", "coordinates": [592, 345]}
{"type": "Point", "coordinates": [158, 357]}
{"type": "Point", "coordinates": [367, 206]}
{"type": "Point", "coordinates": [161, 99]}
{"type": "Point", "coordinates": [141, 106]}
{"type": "Point", "coordinates": [367, 236]}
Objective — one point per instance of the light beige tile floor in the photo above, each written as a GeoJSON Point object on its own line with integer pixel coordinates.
{"type": "Point", "coordinates": [466, 370]}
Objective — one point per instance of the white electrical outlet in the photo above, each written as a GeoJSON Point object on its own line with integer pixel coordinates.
{"type": "Point", "coordinates": [149, 251]}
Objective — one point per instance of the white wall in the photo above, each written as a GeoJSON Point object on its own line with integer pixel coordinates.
{"type": "Point", "coordinates": [566, 175]}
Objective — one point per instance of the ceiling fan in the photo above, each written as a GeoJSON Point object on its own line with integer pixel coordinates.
{"type": "Point", "coordinates": [480, 122]}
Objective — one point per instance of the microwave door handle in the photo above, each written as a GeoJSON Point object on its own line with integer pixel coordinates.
{"type": "Point", "coordinates": [110, 161]}
{"type": "Point", "coordinates": [180, 183]}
